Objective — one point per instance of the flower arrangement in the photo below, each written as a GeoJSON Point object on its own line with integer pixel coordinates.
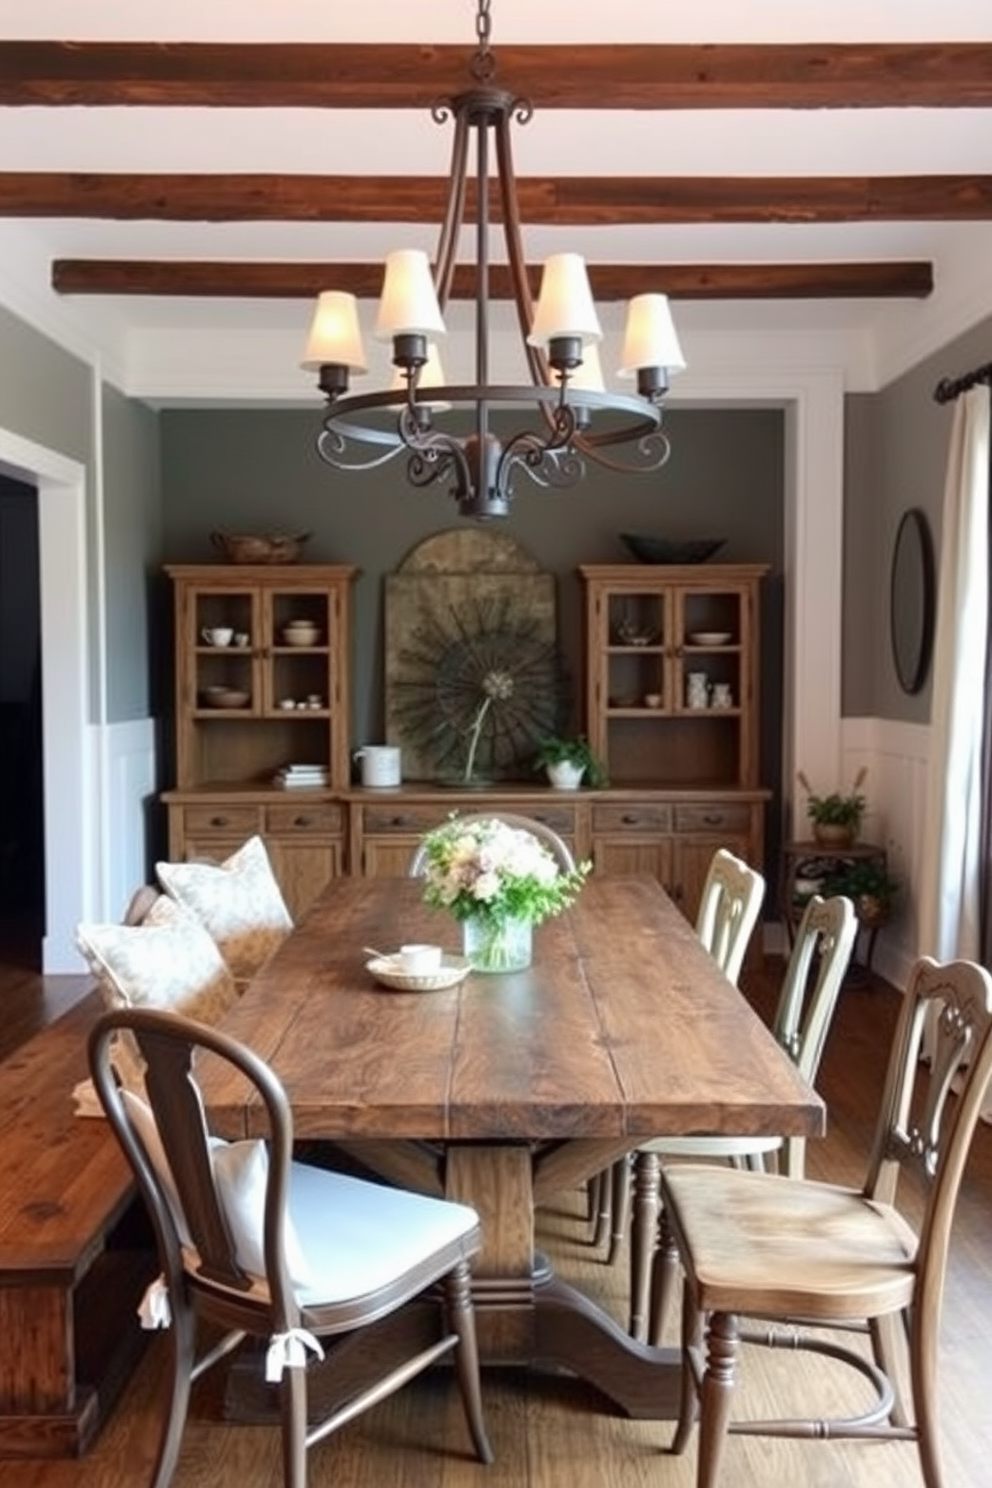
{"type": "Point", "coordinates": [492, 876]}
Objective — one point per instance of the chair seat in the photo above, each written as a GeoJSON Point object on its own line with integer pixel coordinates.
{"type": "Point", "coordinates": [767, 1246]}
{"type": "Point", "coordinates": [711, 1146]}
{"type": "Point", "coordinates": [378, 1234]}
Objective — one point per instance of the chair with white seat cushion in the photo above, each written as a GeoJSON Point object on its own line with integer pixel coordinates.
{"type": "Point", "coordinates": [255, 1243]}
{"type": "Point", "coordinates": [556, 845]}
{"type": "Point", "coordinates": [729, 906]}
{"type": "Point", "coordinates": [800, 1257]}
{"type": "Point", "coordinates": [810, 989]}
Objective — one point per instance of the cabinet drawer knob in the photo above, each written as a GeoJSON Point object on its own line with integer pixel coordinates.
{"type": "Point", "coordinates": [218, 821]}
{"type": "Point", "coordinates": [399, 821]}
{"type": "Point", "coordinates": [302, 821]}
{"type": "Point", "coordinates": [713, 819]}
{"type": "Point", "coordinates": [629, 819]}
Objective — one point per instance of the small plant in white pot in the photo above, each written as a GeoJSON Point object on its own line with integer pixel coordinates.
{"type": "Point", "coordinates": [836, 818]}
{"type": "Point", "coordinates": [569, 762]}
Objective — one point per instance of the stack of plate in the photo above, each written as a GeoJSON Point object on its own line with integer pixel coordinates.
{"type": "Point", "coordinates": [301, 777]}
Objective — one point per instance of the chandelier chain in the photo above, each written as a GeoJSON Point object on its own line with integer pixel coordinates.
{"type": "Point", "coordinates": [483, 64]}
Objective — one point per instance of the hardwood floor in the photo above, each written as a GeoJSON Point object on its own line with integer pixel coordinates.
{"type": "Point", "coordinates": [549, 1430]}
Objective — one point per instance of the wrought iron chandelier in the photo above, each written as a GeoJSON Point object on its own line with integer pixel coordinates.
{"type": "Point", "coordinates": [579, 419]}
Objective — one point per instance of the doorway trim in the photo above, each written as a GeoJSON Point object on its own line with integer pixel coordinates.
{"type": "Point", "coordinates": [73, 815]}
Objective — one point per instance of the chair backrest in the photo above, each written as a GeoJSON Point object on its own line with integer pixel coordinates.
{"type": "Point", "coordinates": [555, 845]}
{"type": "Point", "coordinates": [729, 909]}
{"type": "Point", "coordinates": [820, 957]}
{"type": "Point", "coordinates": [209, 1201]}
{"type": "Point", "coordinates": [928, 1116]}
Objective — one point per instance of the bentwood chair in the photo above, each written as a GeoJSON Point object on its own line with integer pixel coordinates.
{"type": "Point", "coordinates": [820, 957]}
{"type": "Point", "coordinates": [256, 1244]}
{"type": "Point", "coordinates": [728, 912]}
{"type": "Point", "coordinates": [800, 1256]}
{"type": "Point", "coordinates": [558, 848]}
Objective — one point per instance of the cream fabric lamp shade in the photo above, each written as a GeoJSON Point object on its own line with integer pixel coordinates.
{"type": "Point", "coordinates": [565, 305]}
{"type": "Point", "coordinates": [408, 305]}
{"type": "Point", "coordinates": [335, 337]}
{"type": "Point", "coordinates": [650, 339]}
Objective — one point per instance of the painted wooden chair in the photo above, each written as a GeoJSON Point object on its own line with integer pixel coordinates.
{"type": "Point", "coordinates": [820, 957]}
{"type": "Point", "coordinates": [801, 1257]}
{"type": "Point", "coordinates": [728, 912]}
{"type": "Point", "coordinates": [254, 1243]}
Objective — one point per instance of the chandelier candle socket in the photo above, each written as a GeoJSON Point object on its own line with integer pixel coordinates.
{"type": "Point", "coordinates": [569, 416]}
{"type": "Point", "coordinates": [499, 881]}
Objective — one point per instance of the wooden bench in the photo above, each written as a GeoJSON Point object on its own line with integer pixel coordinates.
{"type": "Point", "coordinates": [76, 1250]}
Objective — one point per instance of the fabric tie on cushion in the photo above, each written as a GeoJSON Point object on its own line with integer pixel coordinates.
{"type": "Point", "coordinates": [154, 1309]}
{"type": "Point", "coordinates": [289, 1351]}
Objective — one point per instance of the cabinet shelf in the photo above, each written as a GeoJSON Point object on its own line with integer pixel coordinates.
{"type": "Point", "coordinates": [227, 759]}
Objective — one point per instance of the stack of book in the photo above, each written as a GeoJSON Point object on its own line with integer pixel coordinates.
{"type": "Point", "coordinates": [301, 777]}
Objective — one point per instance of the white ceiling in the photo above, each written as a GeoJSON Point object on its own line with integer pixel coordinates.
{"type": "Point", "coordinates": [177, 348]}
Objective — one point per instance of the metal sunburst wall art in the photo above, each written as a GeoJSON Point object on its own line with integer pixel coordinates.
{"type": "Point", "coordinates": [481, 687]}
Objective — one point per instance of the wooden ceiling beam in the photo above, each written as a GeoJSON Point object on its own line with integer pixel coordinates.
{"type": "Point", "coordinates": [551, 201]}
{"type": "Point", "coordinates": [741, 281]}
{"type": "Point", "coordinates": [361, 76]}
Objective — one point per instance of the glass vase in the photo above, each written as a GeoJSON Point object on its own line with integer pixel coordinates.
{"type": "Point", "coordinates": [503, 946]}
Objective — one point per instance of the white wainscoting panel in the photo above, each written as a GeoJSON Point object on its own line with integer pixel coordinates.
{"type": "Point", "coordinates": [897, 758]}
{"type": "Point", "coordinates": [129, 774]}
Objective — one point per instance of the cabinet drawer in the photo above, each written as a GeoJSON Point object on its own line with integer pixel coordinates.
{"type": "Point", "coordinates": [226, 820]}
{"type": "Point", "coordinates": [560, 819]}
{"type": "Point", "coordinates": [715, 816]}
{"type": "Point", "coordinates": [408, 820]}
{"type": "Point", "coordinates": [634, 817]}
{"type": "Point", "coordinates": [316, 816]}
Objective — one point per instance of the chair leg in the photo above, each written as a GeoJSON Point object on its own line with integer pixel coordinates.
{"type": "Point", "coordinates": [461, 1319]}
{"type": "Point", "coordinates": [715, 1395]}
{"type": "Point", "coordinates": [602, 1202]}
{"type": "Point", "coordinates": [293, 1409]}
{"type": "Point", "coordinates": [182, 1346]}
{"type": "Point", "coordinates": [688, 1401]}
{"type": "Point", "coordinates": [923, 1369]}
{"type": "Point", "coordinates": [643, 1238]}
{"type": "Point", "coordinates": [619, 1181]}
{"type": "Point", "coordinates": [888, 1339]}
{"type": "Point", "coordinates": [665, 1268]}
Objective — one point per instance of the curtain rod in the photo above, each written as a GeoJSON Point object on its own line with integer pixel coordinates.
{"type": "Point", "coordinates": [949, 388]}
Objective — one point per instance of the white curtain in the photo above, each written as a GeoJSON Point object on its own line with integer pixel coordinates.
{"type": "Point", "coordinates": [949, 888]}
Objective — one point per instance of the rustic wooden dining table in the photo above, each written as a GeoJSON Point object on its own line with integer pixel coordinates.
{"type": "Point", "coordinates": [509, 1089]}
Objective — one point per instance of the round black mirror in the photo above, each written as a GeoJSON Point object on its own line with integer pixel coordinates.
{"type": "Point", "coordinates": [912, 600]}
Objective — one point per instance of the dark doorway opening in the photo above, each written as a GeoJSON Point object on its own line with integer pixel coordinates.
{"type": "Point", "coordinates": [22, 820]}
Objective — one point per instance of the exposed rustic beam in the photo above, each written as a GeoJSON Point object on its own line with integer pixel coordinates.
{"type": "Point", "coordinates": [609, 281]}
{"type": "Point", "coordinates": [553, 200]}
{"type": "Point", "coordinates": [295, 75]}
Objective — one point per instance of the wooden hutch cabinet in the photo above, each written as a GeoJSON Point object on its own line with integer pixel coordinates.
{"type": "Point", "coordinates": [671, 707]}
{"type": "Point", "coordinates": [256, 692]}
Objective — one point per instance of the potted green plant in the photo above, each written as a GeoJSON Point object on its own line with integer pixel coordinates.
{"type": "Point", "coordinates": [569, 761]}
{"type": "Point", "coordinates": [869, 884]}
{"type": "Point", "coordinates": [836, 818]}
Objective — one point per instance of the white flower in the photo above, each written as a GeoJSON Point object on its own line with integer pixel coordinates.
{"type": "Point", "coordinates": [486, 867]}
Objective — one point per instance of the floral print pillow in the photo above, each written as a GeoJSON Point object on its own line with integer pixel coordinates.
{"type": "Point", "coordinates": [168, 961]}
{"type": "Point", "coordinates": [238, 902]}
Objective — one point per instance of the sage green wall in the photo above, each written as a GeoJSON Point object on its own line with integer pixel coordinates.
{"type": "Point", "coordinates": [45, 392]}
{"type": "Point", "coordinates": [896, 458]}
{"type": "Point", "coordinates": [46, 396]}
{"type": "Point", "coordinates": [257, 471]}
{"type": "Point", "coordinates": [132, 525]}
